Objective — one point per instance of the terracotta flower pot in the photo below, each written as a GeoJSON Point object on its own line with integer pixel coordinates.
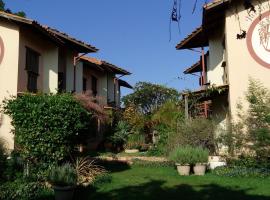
{"type": "Point", "coordinates": [63, 192]}
{"type": "Point", "coordinates": [183, 170]}
{"type": "Point", "coordinates": [199, 169]}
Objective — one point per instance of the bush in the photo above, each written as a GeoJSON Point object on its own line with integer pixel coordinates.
{"type": "Point", "coordinates": [241, 171]}
{"type": "Point", "coordinates": [194, 132]}
{"type": "Point", "coordinates": [200, 155]}
{"type": "Point", "coordinates": [21, 189]}
{"type": "Point", "coordinates": [47, 127]}
{"type": "Point", "coordinates": [119, 138]}
{"type": "Point", "coordinates": [64, 175]}
{"type": "Point", "coordinates": [134, 141]}
{"type": "Point", "coordinates": [87, 170]}
{"type": "Point", "coordinates": [182, 155]}
{"type": "Point", "coordinates": [152, 164]}
{"type": "Point", "coordinates": [3, 158]}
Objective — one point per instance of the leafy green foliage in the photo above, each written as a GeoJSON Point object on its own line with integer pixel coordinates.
{"type": "Point", "coordinates": [148, 97]}
{"type": "Point", "coordinates": [2, 5]}
{"type": "Point", "coordinates": [47, 127]}
{"type": "Point", "coordinates": [241, 171]}
{"type": "Point", "coordinates": [121, 133]}
{"type": "Point", "coordinates": [3, 158]}
{"type": "Point", "coordinates": [189, 155]}
{"type": "Point", "coordinates": [135, 141]}
{"type": "Point", "coordinates": [21, 189]}
{"type": "Point", "coordinates": [200, 155]}
{"type": "Point", "coordinates": [182, 155]}
{"type": "Point", "coordinates": [3, 8]}
{"type": "Point", "coordinates": [64, 175]}
{"type": "Point", "coordinates": [198, 132]}
{"type": "Point", "coordinates": [251, 133]}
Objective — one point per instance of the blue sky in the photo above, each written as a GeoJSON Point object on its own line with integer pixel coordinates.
{"type": "Point", "coordinates": [131, 34]}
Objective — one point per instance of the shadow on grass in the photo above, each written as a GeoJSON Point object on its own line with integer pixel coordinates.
{"type": "Point", "coordinates": [155, 190]}
{"type": "Point", "coordinates": [113, 166]}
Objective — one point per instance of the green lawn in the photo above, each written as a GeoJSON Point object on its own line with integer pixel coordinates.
{"type": "Point", "coordinates": [164, 183]}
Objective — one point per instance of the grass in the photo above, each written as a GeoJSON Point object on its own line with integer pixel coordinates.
{"type": "Point", "coordinates": [139, 182]}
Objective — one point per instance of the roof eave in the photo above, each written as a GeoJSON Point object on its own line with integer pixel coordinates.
{"type": "Point", "coordinates": [196, 39]}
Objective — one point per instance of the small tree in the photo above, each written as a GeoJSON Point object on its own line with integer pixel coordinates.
{"type": "Point", "coordinates": [47, 127]}
{"type": "Point", "coordinates": [148, 97]}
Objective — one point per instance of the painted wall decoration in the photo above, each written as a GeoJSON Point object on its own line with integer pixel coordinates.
{"type": "Point", "coordinates": [258, 39]}
{"type": "Point", "coordinates": [2, 50]}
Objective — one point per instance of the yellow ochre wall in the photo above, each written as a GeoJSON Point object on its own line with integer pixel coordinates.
{"type": "Point", "coordinates": [8, 74]}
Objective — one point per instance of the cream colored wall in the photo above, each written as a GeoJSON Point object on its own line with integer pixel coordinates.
{"type": "Point", "coordinates": [240, 64]}
{"type": "Point", "coordinates": [48, 61]}
{"type": "Point", "coordinates": [50, 71]}
{"type": "Point", "coordinates": [8, 75]}
{"type": "Point", "coordinates": [216, 57]}
{"type": "Point", "coordinates": [101, 82]}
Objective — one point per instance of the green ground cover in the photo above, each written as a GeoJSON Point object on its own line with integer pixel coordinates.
{"type": "Point", "coordinates": [139, 182]}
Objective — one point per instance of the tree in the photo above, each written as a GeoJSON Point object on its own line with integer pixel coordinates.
{"type": "Point", "coordinates": [148, 97]}
{"type": "Point", "coordinates": [4, 9]}
{"type": "Point", "coordinates": [2, 5]}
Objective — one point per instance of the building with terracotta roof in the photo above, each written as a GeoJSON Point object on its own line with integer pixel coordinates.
{"type": "Point", "coordinates": [100, 78]}
{"type": "Point", "coordinates": [234, 41]}
{"type": "Point", "coordinates": [37, 58]}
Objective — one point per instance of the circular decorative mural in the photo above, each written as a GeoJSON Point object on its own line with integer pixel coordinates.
{"type": "Point", "coordinates": [2, 50]}
{"type": "Point", "coordinates": [258, 39]}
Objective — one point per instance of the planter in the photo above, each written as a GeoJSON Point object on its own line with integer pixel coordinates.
{"type": "Point", "coordinates": [183, 170]}
{"type": "Point", "coordinates": [215, 161]}
{"type": "Point", "coordinates": [199, 169]}
{"type": "Point", "coordinates": [63, 192]}
{"type": "Point", "coordinates": [131, 150]}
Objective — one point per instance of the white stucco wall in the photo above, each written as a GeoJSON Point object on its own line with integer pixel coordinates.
{"type": "Point", "coordinates": [88, 71]}
{"type": "Point", "coordinates": [216, 57]}
{"type": "Point", "coordinates": [241, 64]}
{"type": "Point", "coordinates": [48, 61]}
{"type": "Point", "coordinates": [8, 75]}
{"type": "Point", "coordinates": [50, 71]}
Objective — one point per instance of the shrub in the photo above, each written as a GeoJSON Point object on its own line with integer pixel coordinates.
{"type": "Point", "coordinates": [182, 155]}
{"type": "Point", "coordinates": [3, 158]}
{"type": "Point", "coordinates": [22, 189]}
{"type": "Point", "coordinates": [120, 136]}
{"type": "Point", "coordinates": [134, 141]}
{"type": "Point", "coordinates": [153, 164]}
{"type": "Point", "coordinates": [194, 132]}
{"type": "Point", "coordinates": [47, 127]}
{"type": "Point", "coordinates": [87, 170]}
{"type": "Point", "coordinates": [200, 155]}
{"type": "Point", "coordinates": [241, 171]}
{"type": "Point", "coordinates": [64, 175]}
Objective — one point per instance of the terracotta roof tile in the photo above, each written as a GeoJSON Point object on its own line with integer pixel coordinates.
{"type": "Point", "coordinates": [105, 65]}
{"type": "Point", "coordinates": [52, 33]}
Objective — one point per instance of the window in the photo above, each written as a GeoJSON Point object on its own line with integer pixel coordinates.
{"type": "Point", "coordinates": [32, 68]}
{"type": "Point", "coordinates": [94, 85]}
{"type": "Point", "coordinates": [84, 84]}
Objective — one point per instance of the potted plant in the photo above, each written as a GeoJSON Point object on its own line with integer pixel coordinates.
{"type": "Point", "coordinates": [200, 159]}
{"type": "Point", "coordinates": [63, 179]}
{"type": "Point", "coordinates": [182, 156]}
